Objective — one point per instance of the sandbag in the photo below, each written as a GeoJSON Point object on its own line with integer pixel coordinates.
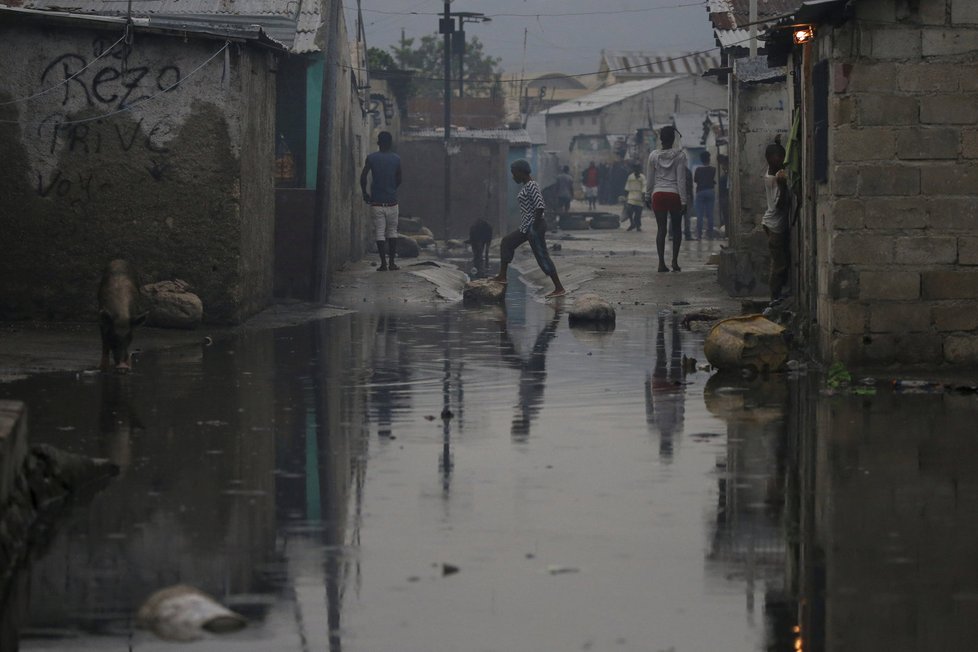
{"type": "Point", "coordinates": [484, 291]}
{"type": "Point", "coordinates": [751, 342]}
{"type": "Point", "coordinates": [172, 305]}
{"type": "Point", "coordinates": [591, 309]}
{"type": "Point", "coordinates": [605, 221]}
{"type": "Point", "coordinates": [183, 613]}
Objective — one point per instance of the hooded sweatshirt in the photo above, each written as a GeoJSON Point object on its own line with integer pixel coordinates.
{"type": "Point", "coordinates": [666, 172]}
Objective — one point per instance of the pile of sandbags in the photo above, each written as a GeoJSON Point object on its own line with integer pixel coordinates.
{"type": "Point", "coordinates": [172, 305]}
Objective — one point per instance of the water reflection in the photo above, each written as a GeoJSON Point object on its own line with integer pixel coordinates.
{"type": "Point", "coordinates": [665, 388]}
{"type": "Point", "coordinates": [532, 370]}
{"type": "Point", "coordinates": [291, 474]}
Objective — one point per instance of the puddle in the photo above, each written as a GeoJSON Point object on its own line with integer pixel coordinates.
{"type": "Point", "coordinates": [585, 490]}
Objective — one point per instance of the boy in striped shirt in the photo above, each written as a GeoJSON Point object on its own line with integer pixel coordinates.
{"type": "Point", "coordinates": [533, 229]}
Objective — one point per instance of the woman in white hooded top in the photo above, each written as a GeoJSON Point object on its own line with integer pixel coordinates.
{"type": "Point", "coordinates": [665, 186]}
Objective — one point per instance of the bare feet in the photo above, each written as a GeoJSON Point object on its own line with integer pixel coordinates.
{"type": "Point", "coordinates": [382, 268]}
{"type": "Point", "coordinates": [393, 267]}
{"type": "Point", "coordinates": [559, 292]}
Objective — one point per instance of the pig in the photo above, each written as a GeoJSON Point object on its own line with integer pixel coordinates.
{"type": "Point", "coordinates": [118, 313]}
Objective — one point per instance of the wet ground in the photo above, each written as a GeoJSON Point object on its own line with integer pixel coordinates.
{"type": "Point", "coordinates": [591, 490]}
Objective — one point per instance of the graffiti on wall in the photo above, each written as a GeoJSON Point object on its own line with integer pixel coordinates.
{"type": "Point", "coordinates": [101, 81]}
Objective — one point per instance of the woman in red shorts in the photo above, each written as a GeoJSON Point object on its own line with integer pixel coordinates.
{"type": "Point", "coordinates": [665, 188]}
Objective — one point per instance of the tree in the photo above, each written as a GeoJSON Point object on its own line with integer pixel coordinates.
{"type": "Point", "coordinates": [482, 72]}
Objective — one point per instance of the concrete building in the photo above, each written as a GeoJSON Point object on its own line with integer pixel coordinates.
{"type": "Point", "coordinates": [885, 246]}
{"type": "Point", "coordinates": [160, 146]}
{"type": "Point", "coordinates": [589, 127]}
{"type": "Point", "coordinates": [758, 111]}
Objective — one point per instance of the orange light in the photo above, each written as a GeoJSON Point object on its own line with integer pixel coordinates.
{"type": "Point", "coordinates": [803, 34]}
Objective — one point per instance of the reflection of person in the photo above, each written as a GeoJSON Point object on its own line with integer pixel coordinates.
{"type": "Point", "coordinates": [705, 178]}
{"type": "Point", "coordinates": [635, 186]}
{"type": "Point", "coordinates": [384, 167]}
{"type": "Point", "coordinates": [390, 373]}
{"type": "Point", "coordinates": [665, 389]}
{"type": "Point", "coordinates": [533, 229]}
{"type": "Point", "coordinates": [565, 190]}
{"type": "Point", "coordinates": [533, 374]}
{"type": "Point", "coordinates": [775, 219]}
{"type": "Point", "coordinates": [480, 236]}
{"type": "Point", "coordinates": [665, 186]}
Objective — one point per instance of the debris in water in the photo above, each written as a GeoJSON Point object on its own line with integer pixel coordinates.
{"type": "Point", "coordinates": [208, 341]}
{"type": "Point", "coordinates": [183, 613]}
{"type": "Point", "coordinates": [563, 570]}
{"type": "Point", "coordinates": [430, 417]}
{"type": "Point", "coordinates": [447, 414]}
{"type": "Point", "coordinates": [448, 569]}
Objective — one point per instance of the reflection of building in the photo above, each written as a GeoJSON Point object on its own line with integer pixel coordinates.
{"type": "Point", "coordinates": [749, 540]}
{"type": "Point", "coordinates": [885, 512]}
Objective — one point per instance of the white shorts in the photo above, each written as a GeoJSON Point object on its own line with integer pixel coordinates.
{"type": "Point", "coordinates": [590, 192]}
{"type": "Point", "coordinates": [385, 221]}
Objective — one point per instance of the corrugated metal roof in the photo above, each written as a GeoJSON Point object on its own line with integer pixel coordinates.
{"type": "Point", "coordinates": [631, 63]}
{"type": "Point", "coordinates": [296, 24]}
{"type": "Point", "coordinates": [609, 95]}
{"type": "Point", "coordinates": [512, 136]}
{"type": "Point", "coordinates": [731, 18]}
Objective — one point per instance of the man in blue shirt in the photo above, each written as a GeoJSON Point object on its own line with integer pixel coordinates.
{"type": "Point", "coordinates": [385, 169]}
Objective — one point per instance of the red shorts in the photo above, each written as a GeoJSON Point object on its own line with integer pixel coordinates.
{"type": "Point", "coordinates": [666, 201]}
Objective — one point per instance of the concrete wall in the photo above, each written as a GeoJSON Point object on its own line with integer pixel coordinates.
{"type": "Point", "coordinates": [480, 174]}
{"type": "Point", "coordinates": [897, 250]}
{"type": "Point", "coordinates": [758, 112]}
{"type": "Point", "coordinates": [689, 94]}
{"type": "Point", "coordinates": [181, 185]}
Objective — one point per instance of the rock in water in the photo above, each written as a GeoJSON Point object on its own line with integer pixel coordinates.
{"type": "Point", "coordinates": [591, 309]}
{"type": "Point", "coordinates": [173, 305]}
{"type": "Point", "coordinates": [424, 241]}
{"type": "Point", "coordinates": [407, 247]}
{"type": "Point", "coordinates": [409, 225]}
{"type": "Point", "coordinates": [484, 290]}
{"type": "Point", "coordinates": [750, 342]}
{"type": "Point", "coordinates": [183, 613]}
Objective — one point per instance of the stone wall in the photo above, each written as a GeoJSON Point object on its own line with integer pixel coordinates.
{"type": "Point", "coordinates": [480, 174]}
{"type": "Point", "coordinates": [896, 221]}
{"type": "Point", "coordinates": [181, 185]}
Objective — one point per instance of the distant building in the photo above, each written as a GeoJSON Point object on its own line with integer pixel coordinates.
{"type": "Point", "coordinates": [603, 126]}
{"type": "Point", "coordinates": [533, 93]}
{"type": "Point", "coordinates": [629, 65]}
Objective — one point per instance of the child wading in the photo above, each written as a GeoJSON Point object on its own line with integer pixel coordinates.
{"type": "Point", "coordinates": [775, 220]}
{"type": "Point", "coordinates": [533, 229]}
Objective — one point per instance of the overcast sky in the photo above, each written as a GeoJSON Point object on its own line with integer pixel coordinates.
{"type": "Point", "coordinates": [567, 44]}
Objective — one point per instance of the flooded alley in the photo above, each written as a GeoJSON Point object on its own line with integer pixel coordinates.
{"type": "Point", "coordinates": [489, 479]}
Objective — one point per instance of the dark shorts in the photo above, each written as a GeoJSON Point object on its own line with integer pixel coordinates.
{"type": "Point", "coordinates": [666, 201]}
{"type": "Point", "coordinates": [538, 245]}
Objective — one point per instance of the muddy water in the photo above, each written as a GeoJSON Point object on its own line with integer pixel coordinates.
{"type": "Point", "coordinates": [590, 493]}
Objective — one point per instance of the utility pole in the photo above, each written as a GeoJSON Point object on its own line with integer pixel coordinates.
{"type": "Point", "coordinates": [447, 27]}
{"type": "Point", "coordinates": [753, 28]}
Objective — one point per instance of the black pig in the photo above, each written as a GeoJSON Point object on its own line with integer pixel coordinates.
{"type": "Point", "coordinates": [118, 312]}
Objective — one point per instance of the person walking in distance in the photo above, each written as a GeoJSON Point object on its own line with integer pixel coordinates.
{"type": "Point", "coordinates": [565, 190]}
{"type": "Point", "coordinates": [723, 174]}
{"type": "Point", "coordinates": [384, 167]}
{"type": "Point", "coordinates": [705, 178]}
{"type": "Point", "coordinates": [634, 186]}
{"type": "Point", "coordinates": [666, 192]}
{"type": "Point", "coordinates": [533, 229]}
{"type": "Point", "coordinates": [590, 180]}
{"type": "Point", "coordinates": [775, 221]}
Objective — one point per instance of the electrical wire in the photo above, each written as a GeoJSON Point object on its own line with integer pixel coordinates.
{"type": "Point", "coordinates": [135, 103]}
{"type": "Point", "coordinates": [67, 79]}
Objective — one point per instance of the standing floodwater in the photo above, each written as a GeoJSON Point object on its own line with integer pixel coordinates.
{"type": "Point", "coordinates": [592, 489]}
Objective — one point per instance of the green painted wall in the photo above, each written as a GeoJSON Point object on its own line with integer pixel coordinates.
{"type": "Point", "coordinates": [314, 105]}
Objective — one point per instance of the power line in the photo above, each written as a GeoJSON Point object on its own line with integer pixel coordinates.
{"type": "Point", "coordinates": [67, 79]}
{"type": "Point", "coordinates": [697, 3]}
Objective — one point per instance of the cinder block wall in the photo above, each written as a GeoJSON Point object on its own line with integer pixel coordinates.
{"type": "Point", "coordinates": [898, 244]}
{"type": "Point", "coordinates": [181, 184]}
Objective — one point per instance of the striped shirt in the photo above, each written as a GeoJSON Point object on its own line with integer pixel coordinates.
{"type": "Point", "coordinates": [530, 202]}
